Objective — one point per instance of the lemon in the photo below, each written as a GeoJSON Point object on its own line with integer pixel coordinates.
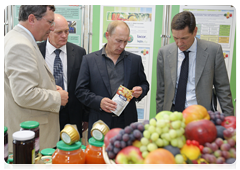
{"type": "Point", "coordinates": [192, 152]}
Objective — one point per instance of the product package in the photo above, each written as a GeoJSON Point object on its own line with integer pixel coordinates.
{"type": "Point", "coordinates": [122, 98]}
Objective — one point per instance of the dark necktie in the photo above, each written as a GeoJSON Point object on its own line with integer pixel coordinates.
{"type": "Point", "coordinates": [58, 69]}
{"type": "Point", "coordinates": [182, 84]}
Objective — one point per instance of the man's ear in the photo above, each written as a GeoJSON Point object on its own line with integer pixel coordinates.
{"type": "Point", "coordinates": [107, 35]}
{"type": "Point", "coordinates": [31, 19]}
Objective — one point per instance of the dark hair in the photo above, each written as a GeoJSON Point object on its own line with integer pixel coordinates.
{"type": "Point", "coordinates": [37, 10]}
{"type": "Point", "coordinates": [183, 19]}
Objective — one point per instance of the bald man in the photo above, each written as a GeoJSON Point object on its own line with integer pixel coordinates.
{"type": "Point", "coordinates": [103, 71]}
{"type": "Point", "coordinates": [70, 58]}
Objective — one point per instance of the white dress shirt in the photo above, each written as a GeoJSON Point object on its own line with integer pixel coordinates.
{"type": "Point", "coordinates": [50, 57]}
{"type": "Point", "coordinates": [190, 92]}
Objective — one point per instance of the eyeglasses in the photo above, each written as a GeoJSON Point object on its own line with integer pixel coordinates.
{"type": "Point", "coordinates": [52, 23]}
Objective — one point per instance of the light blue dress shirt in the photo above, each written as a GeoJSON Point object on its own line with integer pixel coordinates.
{"type": "Point", "coordinates": [190, 92]}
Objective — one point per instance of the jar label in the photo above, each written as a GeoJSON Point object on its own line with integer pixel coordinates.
{"type": "Point", "coordinates": [33, 156]}
{"type": "Point", "coordinates": [6, 150]}
{"type": "Point", "coordinates": [97, 134]}
{"type": "Point", "coordinates": [37, 144]}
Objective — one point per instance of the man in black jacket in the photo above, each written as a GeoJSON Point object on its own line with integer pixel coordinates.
{"type": "Point", "coordinates": [70, 58]}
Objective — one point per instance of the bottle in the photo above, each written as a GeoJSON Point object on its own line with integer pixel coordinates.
{"type": "Point", "coordinates": [23, 147]}
{"type": "Point", "coordinates": [5, 144]}
{"type": "Point", "coordinates": [47, 155]}
{"type": "Point", "coordinates": [33, 126]}
{"type": "Point", "coordinates": [68, 154]}
{"type": "Point", "coordinates": [94, 154]}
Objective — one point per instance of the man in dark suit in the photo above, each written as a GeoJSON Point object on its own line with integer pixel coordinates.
{"type": "Point", "coordinates": [71, 56]}
{"type": "Point", "coordinates": [103, 71]}
{"type": "Point", "coordinates": [206, 68]}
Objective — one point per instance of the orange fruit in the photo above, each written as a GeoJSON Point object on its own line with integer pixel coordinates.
{"type": "Point", "coordinates": [160, 156]}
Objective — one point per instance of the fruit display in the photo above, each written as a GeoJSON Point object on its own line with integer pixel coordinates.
{"type": "Point", "coordinates": [167, 139]}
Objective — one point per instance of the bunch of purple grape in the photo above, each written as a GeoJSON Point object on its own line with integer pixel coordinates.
{"type": "Point", "coordinates": [216, 117]}
{"type": "Point", "coordinates": [125, 138]}
{"type": "Point", "coordinates": [219, 151]}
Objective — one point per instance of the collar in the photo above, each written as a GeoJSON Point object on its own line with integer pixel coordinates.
{"type": "Point", "coordinates": [51, 48]}
{"type": "Point", "coordinates": [27, 31]}
{"type": "Point", "coordinates": [124, 53]}
{"type": "Point", "coordinates": [193, 47]}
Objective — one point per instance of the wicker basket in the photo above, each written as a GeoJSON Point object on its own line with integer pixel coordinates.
{"type": "Point", "coordinates": [105, 156]}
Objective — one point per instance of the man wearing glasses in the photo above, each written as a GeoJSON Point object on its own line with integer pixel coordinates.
{"type": "Point", "coordinates": [30, 92]}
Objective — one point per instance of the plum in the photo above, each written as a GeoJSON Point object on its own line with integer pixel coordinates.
{"type": "Point", "coordinates": [172, 149]}
{"type": "Point", "coordinates": [220, 130]}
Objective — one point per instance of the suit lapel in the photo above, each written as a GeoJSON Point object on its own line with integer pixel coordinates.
{"type": "Point", "coordinates": [101, 64]}
{"type": "Point", "coordinates": [172, 58]}
{"type": "Point", "coordinates": [127, 69]}
{"type": "Point", "coordinates": [70, 61]}
{"type": "Point", "coordinates": [201, 58]}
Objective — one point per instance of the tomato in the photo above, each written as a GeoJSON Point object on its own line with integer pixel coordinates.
{"type": "Point", "coordinates": [229, 122]}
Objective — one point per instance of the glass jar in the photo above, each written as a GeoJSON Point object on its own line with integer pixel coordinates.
{"type": "Point", "coordinates": [94, 154]}
{"type": "Point", "coordinates": [5, 144]}
{"type": "Point", "coordinates": [68, 154]}
{"type": "Point", "coordinates": [23, 147]}
{"type": "Point", "coordinates": [46, 157]}
{"type": "Point", "coordinates": [33, 126]}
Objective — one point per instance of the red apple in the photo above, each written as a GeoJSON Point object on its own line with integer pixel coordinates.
{"type": "Point", "coordinates": [111, 133]}
{"type": "Point", "coordinates": [129, 155]}
{"type": "Point", "coordinates": [202, 131]}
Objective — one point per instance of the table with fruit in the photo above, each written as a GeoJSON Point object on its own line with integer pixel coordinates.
{"type": "Point", "coordinates": [195, 136]}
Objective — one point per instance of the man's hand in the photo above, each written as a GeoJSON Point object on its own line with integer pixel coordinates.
{"type": "Point", "coordinates": [84, 126]}
{"type": "Point", "coordinates": [107, 105]}
{"type": "Point", "coordinates": [137, 91]}
{"type": "Point", "coordinates": [59, 87]}
{"type": "Point", "coordinates": [64, 97]}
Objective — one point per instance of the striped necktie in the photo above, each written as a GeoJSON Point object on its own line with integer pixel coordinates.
{"type": "Point", "coordinates": [58, 69]}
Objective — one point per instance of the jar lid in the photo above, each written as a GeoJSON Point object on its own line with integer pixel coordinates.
{"type": "Point", "coordinates": [83, 147]}
{"type": "Point", "coordinates": [5, 129]}
{"type": "Point", "coordinates": [29, 124]}
{"type": "Point", "coordinates": [47, 151]}
{"type": "Point", "coordinates": [46, 159]}
{"type": "Point", "coordinates": [10, 158]}
{"type": "Point", "coordinates": [69, 134]}
{"type": "Point", "coordinates": [63, 146]}
{"type": "Point", "coordinates": [99, 130]}
{"type": "Point", "coordinates": [23, 135]}
{"type": "Point", "coordinates": [6, 165]}
{"type": "Point", "coordinates": [95, 142]}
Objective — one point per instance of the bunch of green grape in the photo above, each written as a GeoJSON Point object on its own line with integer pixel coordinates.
{"type": "Point", "coordinates": [168, 130]}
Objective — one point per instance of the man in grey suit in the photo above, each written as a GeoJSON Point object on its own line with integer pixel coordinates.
{"type": "Point", "coordinates": [206, 69]}
{"type": "Point", "coordinates": [30, 92]}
